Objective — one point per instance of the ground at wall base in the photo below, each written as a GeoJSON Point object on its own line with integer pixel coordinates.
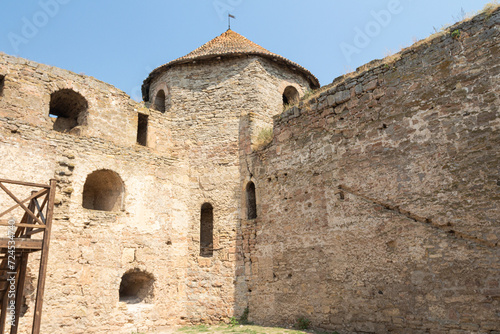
{"type": "Point", "coordinates": [222, 329]}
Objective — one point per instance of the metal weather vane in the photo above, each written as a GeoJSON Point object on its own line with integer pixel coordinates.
{"type": "Point", "coordinates": [229, 17]}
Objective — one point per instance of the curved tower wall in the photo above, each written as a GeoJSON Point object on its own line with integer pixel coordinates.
{"type": "Point", "coordinates": [213, 108]}
{"type": "Point", "coordinates": [207, 91]}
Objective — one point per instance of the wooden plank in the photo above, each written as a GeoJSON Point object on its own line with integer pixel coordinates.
{"type": "Point", "coordinates": [40, 211]}
{"type": "Point", "coordinates": [21, 203]}
{"type": "Point", "coordinates": [4, 222]}
{"type": "Point", "coordinates": [32, 232]}
{"type": "Point", "coordinates": [45, 201]}
{"type": "Point", "coordinates": [28, 184]}
{"type": "Point", "coordinates": [26, 219]}
{"type": "Point", "coordinates": [3, 315]}
{"type": "Point", "coordinates": [42, 273]}
{"type": "Point", "coordinates": [21, 278]}
{"type": "Point", "coordinates": [22, 243]}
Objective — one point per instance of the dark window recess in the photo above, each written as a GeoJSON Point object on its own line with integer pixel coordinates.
{"type": "Point", "coordinates": [290, 95]}
{"type": "Point", "coordinates": [103, 190]}
{"type": "Point", "coordinates": [68, 109]}
{"type": "Point", "coordinates": [160, 101]}
{"type": "Point", "coordinates": [142, 129]}
{"type": "Point", "coordinates": [136, 287]}
{"type": "Point", "coordinates": [207, 230]}
{"type": "Point", "coordinates": [2, 83]}
{"type": "Point", "coordinates": [251, 201]}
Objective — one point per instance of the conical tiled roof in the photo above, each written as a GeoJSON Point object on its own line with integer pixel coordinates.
{"type": "Point", "coordinates": [230, 43]}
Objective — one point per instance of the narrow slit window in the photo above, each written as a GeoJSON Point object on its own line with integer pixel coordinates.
{"type": "Point", "coordinates": [207, 230]}
{"type": "Point", "coordinates": [251, 201]}
{"type": "Point", "coordinates": [2, 83]}
{"type": "Point", "coordinates": [142, 129]}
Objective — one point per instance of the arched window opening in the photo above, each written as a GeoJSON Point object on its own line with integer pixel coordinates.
{"type": "Point", "coordinates": [251, 201]}
{"type": "Point", "coordinates": [136, 287]}
{"type": "Point", "coordinates": [290, 95]}
{"type": "Point", "coordinates": [142, 129]}
{"type": "Point", "coordinates": [207, 230]}
{"type": "Point", "coordinates": [2, 83]}
{"type": "Point", "coordinates": [68, 109]}
{"type": "Point", "coordinates": [103, 190]}
{"type": "Point", "coordinates": [160, 100]}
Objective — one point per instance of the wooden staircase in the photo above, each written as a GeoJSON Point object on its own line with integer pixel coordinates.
{"type": "Point", "coordinates": [17, 243]}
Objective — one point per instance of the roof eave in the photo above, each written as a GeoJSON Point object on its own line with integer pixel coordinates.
{"type": "Point", "coordinates": [313, 81]}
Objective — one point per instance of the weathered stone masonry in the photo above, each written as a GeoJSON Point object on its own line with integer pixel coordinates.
{"type": "Point", "coordinates": [208, 99]}
{"type": "Point", "coordinates": [91, 250]}
{"type": "Point", "coordinates": [148, 199]}
{"type": "Point", "coordinates": [378, 200]}
{"type": "Point", "coordinates": [374, 209]}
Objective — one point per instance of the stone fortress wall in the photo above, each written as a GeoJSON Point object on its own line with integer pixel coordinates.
{"type": "Point", "coordinates": [378, 199]}
{"type": "Point", "coordinates": [147, 174]}
{"type": "Point", "coordinates": [92, 249]}
{"type": "Point", "coordinates": [206, 102]}
{"type": "Point", "coordinates": [376, 202]}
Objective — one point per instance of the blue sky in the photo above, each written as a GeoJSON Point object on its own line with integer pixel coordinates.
{"type": "Point", "coordinates": [120, 42]}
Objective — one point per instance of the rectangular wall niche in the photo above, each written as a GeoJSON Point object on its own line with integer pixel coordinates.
{"type": "Point", "coordinates": [142, 129]}
{"type": "Point", "coordinates": [207, 230]}
{"type": "Point", "coordinates": [2, 82]}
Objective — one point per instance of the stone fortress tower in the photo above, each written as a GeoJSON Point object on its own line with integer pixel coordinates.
{"type": "Point", "coordinates": [211, 104]}
{"type": "Point", "coordinates": [147, 223]}
{"type": "Point", "coordinates": [373, 209]}
{"type": "Point", "coordinates": [204, 87]}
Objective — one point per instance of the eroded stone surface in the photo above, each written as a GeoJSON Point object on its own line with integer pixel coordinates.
{"type": "Point", "coordinates": [379, 204]}
{"type": "Point", "coordinates": [123, 207]}
{"type": "Point", "coordinates": [377, 201]}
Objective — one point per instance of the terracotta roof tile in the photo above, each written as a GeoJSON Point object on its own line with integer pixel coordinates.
{"type": "Point", "coordinates": [230, 43]}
